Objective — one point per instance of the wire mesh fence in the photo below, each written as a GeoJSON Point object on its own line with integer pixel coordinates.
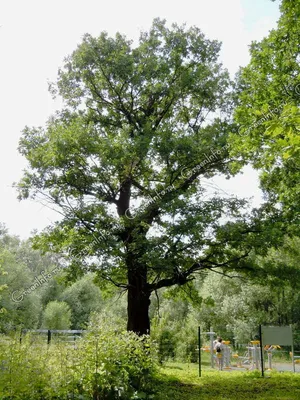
{"type": "Point", "coordinates": [234, 356]}
{"type": "Point", "coordinates": [248, 356]}
{"type": "Point", "coordinates": [172, 349]}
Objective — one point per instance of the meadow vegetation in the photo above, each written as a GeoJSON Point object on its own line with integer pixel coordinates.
{"type": "Point", "coordinates": [105, 364]}
{"type": "Point", "coordinates": [181, 381]}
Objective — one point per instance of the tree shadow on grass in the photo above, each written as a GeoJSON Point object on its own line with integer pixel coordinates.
{"type": "Point", "coordinates": [228, 387]}
{"type": "Point", "coordinates": [176, 390]}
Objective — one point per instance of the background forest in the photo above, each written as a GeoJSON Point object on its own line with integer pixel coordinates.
{"type": "Point", "coordinates": [233, 306]}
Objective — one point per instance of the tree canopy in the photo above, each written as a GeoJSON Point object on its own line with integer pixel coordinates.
{"type": "Point", "coordinates": [268, 113]}
{"type": "Point", "coordinates": [129, 160]}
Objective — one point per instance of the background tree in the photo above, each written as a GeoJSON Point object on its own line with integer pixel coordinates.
{"type": "Point", "coordinates": [2, 287]}
{"type": "Point", "coordinates": [268, 113]}
{"type": "Point", "coordinates": [122, 163]}
{"type": "Point", "coordinates": [57, 315]}
{"type": "Point", "coordinates": [26, 293]}
{"type": "Point", "coordinates": [83, 298]}
{"type": "Point", "coordinates": [233, 307]}
{"type": "Point", "coordinates": [20, 311]}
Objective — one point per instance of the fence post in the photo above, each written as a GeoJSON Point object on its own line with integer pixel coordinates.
{"type": "Point", "coordinates": [261, 352]}
{"type": "Point", "coordinates": [49, 336]}
{"type": "Point", "coordinates": [293, 358]}
{"type": "Point", "coordinates": [199, 349]}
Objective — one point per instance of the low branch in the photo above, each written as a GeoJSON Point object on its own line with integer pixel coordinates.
{"type": "Point", "coordinates": [180, 278]}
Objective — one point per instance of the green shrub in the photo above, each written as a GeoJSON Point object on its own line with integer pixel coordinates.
{"type": "Point", "coordinates": [57, 315]}
{"type": "Point", "coordinates": [187, 339]}
{"type": "Point", "coordinates": [176, 340]}
{"type": "Point", "coordinates": [166, 346]}
{"type": "Point", "coordinates": [124, 362]}
{"type": "Point", "coordinates": [24, 370]}
{"type": "Point", "coordinates": [165, 337]}
{"type": "Point", "coordinates": [106, 364]}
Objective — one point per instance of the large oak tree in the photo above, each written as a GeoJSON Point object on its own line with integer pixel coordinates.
{"type": "Point", "coordinates": [128, 163]}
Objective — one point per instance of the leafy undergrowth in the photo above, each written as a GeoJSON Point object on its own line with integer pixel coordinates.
{"type": "Point", "coordinates": [181, 382]}
{"type": "Point", "coordinates": [105, 364]}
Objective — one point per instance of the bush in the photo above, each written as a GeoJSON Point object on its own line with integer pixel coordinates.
{"type": "Point", "coordinates": [125, 362]}
{"type": "Point", "coordinates": [187, 339]}
{"type": "Point", "coordinates": [106, 364]}
{"type": "Point", "coordinates": [83, 298]}
{"type": "Point", "coordinates": [57, 315]}
{"type": "Point", "coordinates": [176, 341]}
{"type": "Point", "coordinates": [24, 373]}
{"type": "Point", "coordinates": [166, 346]}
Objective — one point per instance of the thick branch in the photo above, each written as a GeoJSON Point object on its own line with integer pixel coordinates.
{"type": "Point", "coordinates": [124, 198]}
{"type": "Point", "coordinates": [180, 278]}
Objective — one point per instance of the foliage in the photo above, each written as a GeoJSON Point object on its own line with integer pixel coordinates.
{"type": "Point", "coordinates": [2, 287]}
{"type": "Point", "coordinates": [129, 163]}
{"type": "Point", "coordinates": [106, 364]}
{"type": "Point", "coordinates": [166, 340]}
{"type": "Point", "coordinates": [25, 372]}
{"type": "Point", "coordinates": [268, 113]}
{"type": "Point", "coordinates": [187, 340]}
{"type": "Point", "coordinates": [175, 330]}
{"type": "Point", "coordinates": [29, 281]}
{"type": "Point", "coordinates": [83, 298]}
{"type": "Point", "coordinates": [57, 315]}
{"type": "Point", "coordinates": [233, 306]}
{"type": "Point", "coordinates": [126, 361]}
{"type": "Point", "coordinates": [21, 310]}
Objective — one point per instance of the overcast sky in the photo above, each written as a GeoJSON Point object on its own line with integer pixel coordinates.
{"type": "Point", "coordinates": [35, 36]}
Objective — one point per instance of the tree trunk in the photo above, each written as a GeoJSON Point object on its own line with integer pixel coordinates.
{"type": "Point", "coordinates": [138, 302]}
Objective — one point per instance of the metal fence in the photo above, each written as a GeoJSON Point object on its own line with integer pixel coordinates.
{"type": "Point", "coordinates": [241, 357]}
{"type": "Point", "coordinates": [244, 357]}
{"type": "Point", "coordinates": [199, 351]}
{"type": "Point", "coordinates": [53, 335]}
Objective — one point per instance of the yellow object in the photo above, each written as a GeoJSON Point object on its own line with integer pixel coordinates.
{"type": "Point", "coordinates": [205, 348]}
{"type": "Point", "coordinates": [235, 355]}
{"type": "Point", "coordinates": [255, 342]}
{"type": "Point", "coordinates": [226, 342]}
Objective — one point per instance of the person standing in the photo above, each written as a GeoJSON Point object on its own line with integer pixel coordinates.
{"type": "Point", "coordinates": [216, 341]}
{"type": "Point", "coordinates": [219, 348]}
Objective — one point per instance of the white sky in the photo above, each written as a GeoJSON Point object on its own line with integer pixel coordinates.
{"type": "Point", "coordinates": [35, 37]}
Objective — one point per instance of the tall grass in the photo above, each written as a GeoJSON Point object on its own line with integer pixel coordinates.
{"type": "Point", "coordinates": [104, 364]}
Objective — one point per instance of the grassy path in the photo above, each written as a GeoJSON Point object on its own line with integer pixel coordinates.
{"type": "Point", "coordinates": [181, 382]}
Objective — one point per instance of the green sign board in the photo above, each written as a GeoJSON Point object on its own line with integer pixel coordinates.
{"type": "Point", "coordinates": [281, 335]}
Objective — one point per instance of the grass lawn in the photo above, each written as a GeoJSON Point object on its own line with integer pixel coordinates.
{"type": "Point", "coordinates": [181, 382]}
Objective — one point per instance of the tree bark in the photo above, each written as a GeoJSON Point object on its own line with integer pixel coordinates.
{"type": "Point", "coordinates": [138, 301]}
